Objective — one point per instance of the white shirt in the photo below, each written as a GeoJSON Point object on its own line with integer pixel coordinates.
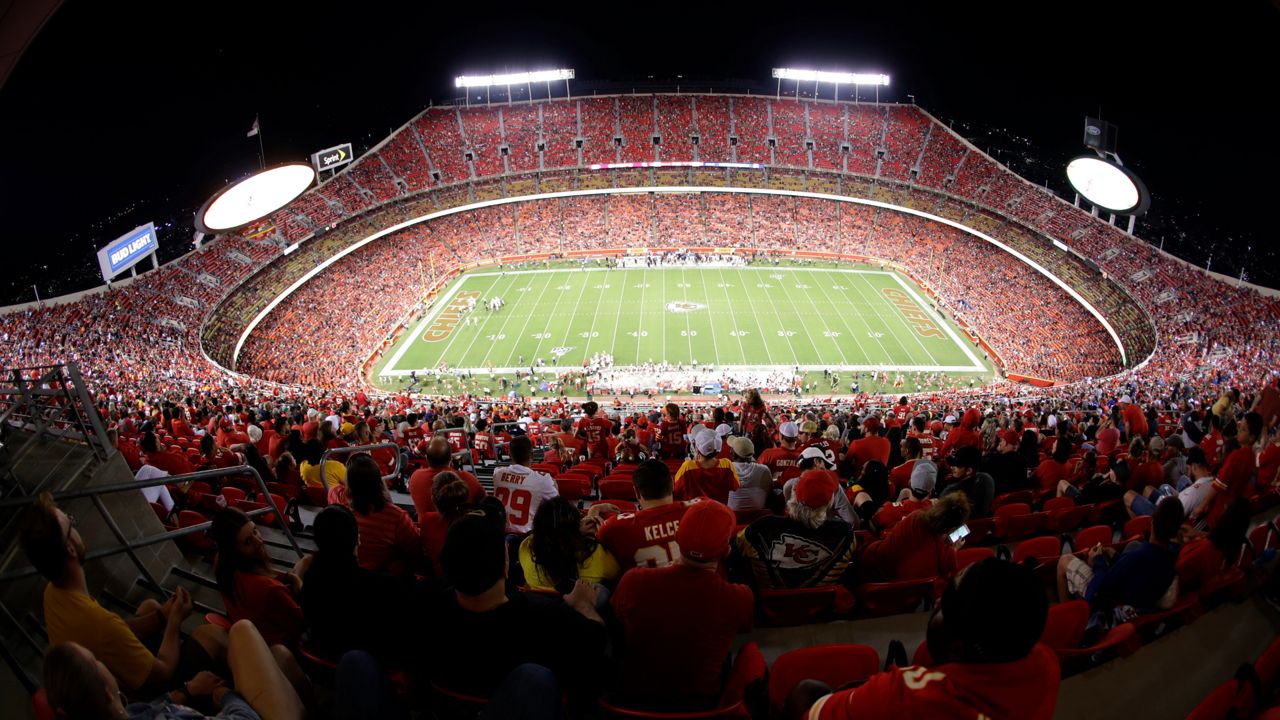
{"type": "Point", "coordinates": [1195, 494]}
{"type": "Point", "coordinates": [159, 493]}
{"type": "Point", "coordinates": [521, 491]}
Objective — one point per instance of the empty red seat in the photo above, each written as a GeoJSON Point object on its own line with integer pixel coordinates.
{"type": "Point", "coordinates": [573, 487]}
{"type": "Point", "coordinates": [802, 606]}
{"type": "Point", "coordinates": [616, 488]}
{"type": "Point", "coordinates": [894, 598]}
{"type": "Point", "coordinates": [1217, 705]}
{"type": "Point", "coordinates": [1065, 518]}
{"type": "Point", "coordinates": [834, 664]}
{"type": "Point", "coordinates": [1137, 528]}
{"type": "Point", "coordinates": [1045, 549]}
{"type": "Point", "coordinates": [748, 670]}
{"type": "Point", "coordinates": [233, 495]}
{"type": "Point", "coordinates": [1065, 625]}
{"type": "Point", "coordinates": [1090, 536]}
{"type": "Point", "coordinates": [968, 556]}
{"type": "Point", "coordinates": [1015, 521]}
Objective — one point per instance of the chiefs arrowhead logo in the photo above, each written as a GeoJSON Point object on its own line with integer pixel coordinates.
{"type": "Point", "coordinates": [792, 552]}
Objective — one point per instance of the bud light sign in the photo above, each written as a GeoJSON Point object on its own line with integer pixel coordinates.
{"type": "Point", "coordinates": [127, 250]}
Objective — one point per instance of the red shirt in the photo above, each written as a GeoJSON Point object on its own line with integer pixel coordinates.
{"type": "Point", "coordinates": [926, 443]}
{"type": "Point", "coordinates": [671, 435]}
{"type": "Point", "coordinates": [1148, 474]}
{"type": "Point", "coordinates": [1135, 422]}
{"type": "Point", "coordinates": [679, 624]}
{"type": "Point", "coordinates": [433, 529]}
{"type": "Point", "coordinates": [716, 482]}
{"type": "Point", "coordinates": [866, 449]}
{"type": "Point", "coordinates": [420, 488]}
{"type": "Point", "coordinates": [1050, 471]}
{"type": "Point", "coordinates": [484, 446]}
{"type": "Point", "coordinates": [1026, 688]}
{"type": "Point", "coordinates": [907, 552]}
{"type": "Point", "coordinates": [645, 538]}
{"type": "Point", "coordinates": [783, 463]}
{"type": "Point", "coordinates": [271, 606]}
{"type": "Point", "coordinates": [1234, 479]}
{"type": "Point", "coordinates": [1198, 561]}
{"type": "Point", "coordinates": [595, 430]}
{"type": "Point", "coordinates": [457, 439]}
{"type": "Point", "coordinates": [751, 417]}
{"type": "Point", "coordinates": [900, 476]}
{"type": "Point", "coordinates": [277, 445]}
{"type": "Point", "coordinates": [388, 539]}
{"type": "Point", "coordinates": [170, 462]}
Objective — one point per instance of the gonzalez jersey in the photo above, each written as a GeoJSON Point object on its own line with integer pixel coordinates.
{"type": "Point", "coordinates": [521, 491]}
{"type": "Point", "coordinates": [645, 538]}
{"type": "Point", "coordinates": [782, 462]}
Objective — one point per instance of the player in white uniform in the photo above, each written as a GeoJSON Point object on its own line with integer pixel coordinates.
{"type": "Point", "coordinates": [521, 489]}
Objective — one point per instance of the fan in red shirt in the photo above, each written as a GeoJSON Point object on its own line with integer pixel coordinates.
{"type": "Point", "coordinates": [438, 457]}
{"type": "Point", "coordinates": [966, 434]}
{"type": "Point", "coordinates": [986, 660]}
{"type": "Point", "coordinates": [924, 436]}
{"type": "Point", "coordinates": [706, 475]}
{"type": "Point", "coordinates": [451, 496]}
{"type": "Point", "coordinates": [679, 622]}
{"type": "Point", "coordinates": [671, 434]}
{"type": "Point", "coordinates": [647, 537]}
{"type": "Point", "coordinates": [918, 546]}
{"type": "Point", "coordinates": [753, 410]}
{"type": "Point", "coordinates": [1238, 470]}
{"type": "Point", "coordinates": [872, 446]}
{"type": "Point", "coordinates": [594, 430]}
{"type": "Point", "coordinates": [1135, 421]}
{"type": "Point", "coordinates": [783, 461]}
{"type": "Point", "coordinates": [484, 445]}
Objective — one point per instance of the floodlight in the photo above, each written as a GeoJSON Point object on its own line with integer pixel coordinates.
{"type": "Point", "coordinates": [254, 197]}
{"type": "Point", "coordinates": [524, 78]}
{"type": "Point", "coordinates": [831, 77]}
{"type": "Point", "coordinates": [1109, 186]}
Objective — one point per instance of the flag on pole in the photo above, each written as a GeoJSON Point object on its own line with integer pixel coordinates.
{"type": "Point", "coordinates": [253, 130]}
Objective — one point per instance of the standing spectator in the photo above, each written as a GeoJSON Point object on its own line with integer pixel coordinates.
{"type": "Point", "coordinates": [1238, 471]}
{"type": "Point", "coordinates": [671, 432]}
{"type": "Point", "coordinates": [594, 431]}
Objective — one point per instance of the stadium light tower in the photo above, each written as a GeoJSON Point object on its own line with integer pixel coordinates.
{"type": "Point", "coordinates": [1102, 179]}
{"type": "Point", "coordinates": [509, 79]}
{"type": "Point", "coordinates": [835, 78]}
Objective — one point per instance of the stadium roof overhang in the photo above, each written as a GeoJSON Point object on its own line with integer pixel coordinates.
{"type": "Point", "coordinates": [20, 22]}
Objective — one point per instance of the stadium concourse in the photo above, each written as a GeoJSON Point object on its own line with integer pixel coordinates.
{"type": "Point", "coordinates": [1145, 450]}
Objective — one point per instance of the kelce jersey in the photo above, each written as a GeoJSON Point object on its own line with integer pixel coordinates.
{"type": "Point", "coordinates": [645, 538]}
{"type": "Point", "coordinates": [1026, 688]}
{"type": "Point", "coordinates": [521, 491]}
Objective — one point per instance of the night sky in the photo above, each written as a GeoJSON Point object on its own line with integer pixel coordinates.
{"type": "Point", "coordinates": [117, 115]}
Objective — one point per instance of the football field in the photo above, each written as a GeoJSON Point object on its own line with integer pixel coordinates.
{"type": "Point", "coordinates": [836, 318]}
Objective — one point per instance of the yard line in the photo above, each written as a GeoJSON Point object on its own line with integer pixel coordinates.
{"type": "Point", "coordinates": [532, 359]}
{"type": "Point", "coordinates": [942, 324]}
{"type": "Point", "coordinates": [453, 337]}
{"type": "Point", "coordinates": [702, 275]}
{"type": "Point", "coordinates": [884, 352]}
{"type": "Point", "coordinates": [763, 339]}
{"type": "Point", "coordinates": [818, 314]}
{"type": "Point", "coordinates": [482, 316]}
{"type": "Point", "coordinates": [773, 305]}
{"type": "Point", "coordinates": [569, 331]}
{"type": "Point", "coordinates": [538, 349]}
{"type": "Point", "coordinates": [853, 334]}
{"type": "Point", "coordinates": [733, 316]}
{"type": "Point", "coordinates": [640, 322]}
{"type": "Point", "coordinates": [886, 309]}
{"type": "Point", "coordinates": [411, 339]}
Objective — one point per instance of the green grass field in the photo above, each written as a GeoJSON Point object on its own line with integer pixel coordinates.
{"type": "Point", "coordinates": [838, 318]}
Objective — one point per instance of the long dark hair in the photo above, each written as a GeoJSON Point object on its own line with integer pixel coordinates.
{"type": "Point", "coordinates": [558, 543]}
{"type": "Point", "coordinates": [365, 489]}
{"type": "Point", "coordinates": [226, 530]}
{"type": "Point", "coordinates": [253, 459]}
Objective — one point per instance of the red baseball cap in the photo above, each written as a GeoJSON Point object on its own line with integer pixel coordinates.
{"type": "Point", "coordinates": [815, 488]}
{"type": "Point", "coordinates": [705, 531]}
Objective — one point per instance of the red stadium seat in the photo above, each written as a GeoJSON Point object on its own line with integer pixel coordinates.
{"type": "Point", "coordinates": [968, 556]}
{"type": "Point", "coordinates": [1217, 705]}
{"type": "Point", "coordinates": [835, 664]}
{"type": "Point", "coordinates": [573, 487]}
{"type": "Point", "coordinates": [617, 489]}
{"type": "Point", "coordinates": [894, 598]}
{"type": "Point", "coordinates": [1065, 519]}
{"type": "Point", "coordinates": [622, 505]}
{"type": "Point", "coordinates": [1064, 628]}
{"type": "Point", "coordinates": [1120, 641]}
{"type": "Point", "coordinates": [1045, 549]}
{"type": "Point", "coordinates": [979, 531]}
{"type": "Point", "coordinates": [1090, 536]}
{"type": "Point", "coordinates": [1023, 497]}
{"type": "Point", "coordinates": [232, 495]}
{"type": "Point", "coordinates": [1152, 625]}
{"type": "Point", "coordinates": [198, 541]}
{"type": "Point", "coordinates": [802, 606]}
{"type": "Point", "coordinates": [1137, 528]}
{"type": "Point", "coordinates": [1016, 521]}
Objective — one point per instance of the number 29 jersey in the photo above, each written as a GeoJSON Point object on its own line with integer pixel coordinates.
{"type": "Point", "coordinates": [645, 538]}
{"type": "Point", "coordinates": [521, 491]}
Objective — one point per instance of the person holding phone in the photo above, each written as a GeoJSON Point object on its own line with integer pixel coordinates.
{"type": "Point", "coordinates": [919, 546]}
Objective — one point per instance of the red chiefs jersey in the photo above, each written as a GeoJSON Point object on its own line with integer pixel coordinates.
{"type": "Point", "coordinates": [412, 435]}
{"type": "Point", "coordinates": [457, 439]}
{"type": "Point", "coordinates": [926, 443]}
{"type": "Point", "coordinates": [1026, 688]}
{"type": "Point", "coordinates": [671, 435]}
{"type": "Point", "coordinates": [484, 446]}
{"type": "Point", "coordinates": [645, 538]}
{"type": "Point", "coordinates": [783, 463]}
{"type": "Point", "coordinates": [752, 416]}
{"type": "Point", "coordinates": [595, 430]}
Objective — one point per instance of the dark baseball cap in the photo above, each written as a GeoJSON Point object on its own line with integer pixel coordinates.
{"type": "Point", "coordinates": [475, 550]}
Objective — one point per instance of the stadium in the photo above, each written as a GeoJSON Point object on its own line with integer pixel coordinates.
{"type": "Point", "coordinates": [646, 302]}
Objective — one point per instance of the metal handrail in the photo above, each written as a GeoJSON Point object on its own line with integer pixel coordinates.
{"type": "Point", "coordinates": [129, 546]}
{"type": "Point", "coordinates": [395, 471]}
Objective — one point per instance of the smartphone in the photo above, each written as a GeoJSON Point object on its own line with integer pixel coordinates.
{"type": "Point", "coordinates": [959, 534]}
